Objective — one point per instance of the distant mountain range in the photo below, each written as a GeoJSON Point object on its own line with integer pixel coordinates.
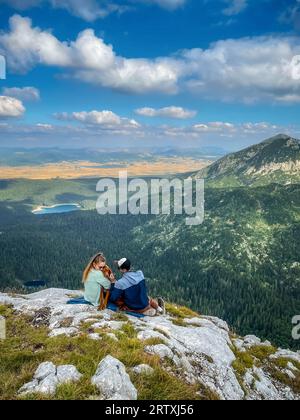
{"type": "Point", "coordinates": [276, 160]}
{"type": "Point", "coordinates": [42, 156]}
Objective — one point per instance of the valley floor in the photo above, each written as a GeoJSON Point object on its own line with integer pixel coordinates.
{"type": "Point", "coordinates": [82, 169]}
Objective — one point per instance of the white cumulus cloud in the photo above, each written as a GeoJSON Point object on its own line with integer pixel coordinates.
{"type": "Point", "coordinates": [24, 94]}
{"type": "Point", "coordinates": [89, 58]}
{"type": "Point", "coordinates": [248, 70]}
{"type": "Point", "coordinates": [168, 112]}
{"type": "Point", "coordinates": [11, 107]}
{"type": "Point", "coordinates": [223, 129]}
{"type": "Point", "coordinates": [105, 119]}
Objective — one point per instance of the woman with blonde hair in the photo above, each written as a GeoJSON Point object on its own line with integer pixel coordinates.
{"type": "Point", "coordinates": [97, 277]}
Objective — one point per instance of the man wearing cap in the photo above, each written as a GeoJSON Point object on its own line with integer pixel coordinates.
{"type": "Point", "coordinates": [130, 292]}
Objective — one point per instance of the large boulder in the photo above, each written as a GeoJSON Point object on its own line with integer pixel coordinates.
{"type": "Point", "coordinates": [113, 381]}
{"type": "Point", "coordinates": [44, 370]}
{"type": "Point", "coordinates": [67, 373]}
{"type": "Point", "coordinates": [48, 377]}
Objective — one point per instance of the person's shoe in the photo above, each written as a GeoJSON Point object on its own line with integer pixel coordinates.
{"type": "Point", "coordinates": [161, 305]}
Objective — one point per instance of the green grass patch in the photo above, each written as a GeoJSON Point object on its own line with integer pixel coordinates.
{"type": "Point", "coordinates": [262, 352]}
{"type": "Point", "coordinates": [179, 322]}
{"type": "Point", "coordinates": [26, 347]}
{"type": "Point", "coordinates": [119, 316]}
{"type": "Point", "coordinates": [155, 341]}
{"type": "Point", "coordinates": [180, 311]}
{"type": "Point", "coordinates": [260, 356]}
{"type": "Point", "coordinates": [243, 362]}
{"type": "Point", "coordinates": [284, 379]}
{"type": "Point", "coordinates": [163, 386]}
{"type": "Point", "coordinates": [129, 330]}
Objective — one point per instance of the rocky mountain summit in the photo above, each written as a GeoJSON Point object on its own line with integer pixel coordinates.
{"type": "Point", "coordinates": [77, 352]}
{"type": "Point", "coordinates": [275, 160]}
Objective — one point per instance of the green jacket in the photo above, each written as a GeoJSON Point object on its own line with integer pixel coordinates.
{"type": "Point", "coordinates": [93, 285]}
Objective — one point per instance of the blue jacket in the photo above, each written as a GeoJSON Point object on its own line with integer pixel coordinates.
{"type": "Point", "coordinates": [132, 289]}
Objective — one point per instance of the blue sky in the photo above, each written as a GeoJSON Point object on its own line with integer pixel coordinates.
{"type": "Point", "coordinates": [169, 73]}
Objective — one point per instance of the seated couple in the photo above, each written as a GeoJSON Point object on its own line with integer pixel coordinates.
{"type": "Point", "coordinates": [129, 293]}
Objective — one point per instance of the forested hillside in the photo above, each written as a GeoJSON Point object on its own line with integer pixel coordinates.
{"type": "Point", "coordinates": [242, 264]}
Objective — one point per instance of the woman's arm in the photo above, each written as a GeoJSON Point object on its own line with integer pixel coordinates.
{"type": "Point", "coordinates": [102, 280]}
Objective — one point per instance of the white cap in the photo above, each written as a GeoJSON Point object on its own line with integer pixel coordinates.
{"type": "Point", "coordinates": [121, 262]}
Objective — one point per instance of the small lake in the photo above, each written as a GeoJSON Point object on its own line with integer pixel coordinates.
{"type": "Point", "coordinates": [57, 209]}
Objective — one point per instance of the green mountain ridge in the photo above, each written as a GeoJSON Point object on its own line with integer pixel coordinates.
{"type": "Point", "coordinates": [274, 160]}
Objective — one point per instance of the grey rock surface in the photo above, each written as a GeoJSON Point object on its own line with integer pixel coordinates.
{"type": "Point", "coordinates": [113, 381]}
